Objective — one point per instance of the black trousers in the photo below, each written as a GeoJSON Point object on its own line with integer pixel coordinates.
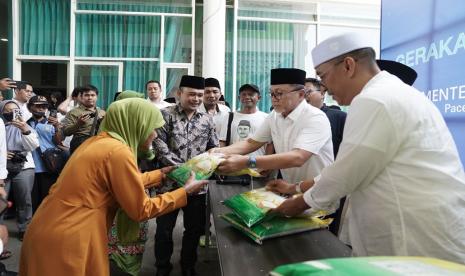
{"type": "Point", "coordinates": [335, 225]}
{"type": "Point", "coordinates": [194, 227]}
{"type": "Point", "coordinates": [42, 183]}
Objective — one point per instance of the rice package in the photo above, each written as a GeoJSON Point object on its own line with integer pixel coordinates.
{"type": "Point", "coordinates": [252, 207]}
{"type": "Point", "coordinates": [203, 166]}
{"type": "Point", "coordinates": [276, 227]}
{"type": "Point", "coordinates": [367, 266]}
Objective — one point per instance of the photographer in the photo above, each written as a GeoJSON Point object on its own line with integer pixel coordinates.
{"type": "Point", "coordinates": [20, 141]}
{"type": "Point", "coordinates": [82, 122]}
{"type": "Point", "coordinates": [47, 130]}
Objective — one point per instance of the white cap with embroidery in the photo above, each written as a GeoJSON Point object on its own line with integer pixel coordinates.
{"type": "Point", "coordinates": [336, 46]}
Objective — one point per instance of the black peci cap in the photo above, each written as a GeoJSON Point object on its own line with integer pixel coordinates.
{"type": "Point", "coordinates": [287, 76]}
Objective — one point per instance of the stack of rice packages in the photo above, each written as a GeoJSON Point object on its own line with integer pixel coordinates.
{"type": "Point", "coordinates": [251, 215]}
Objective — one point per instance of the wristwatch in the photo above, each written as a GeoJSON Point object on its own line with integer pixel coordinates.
{"type": "Point", "coordinates": [27, 132]}
{"type": "Point", "coordinates": [298, 189]}
{"type": "Point", "coordinates": [252, 163]}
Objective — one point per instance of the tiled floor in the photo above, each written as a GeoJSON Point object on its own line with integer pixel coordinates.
{"type": "Point", "coordinates": [207, 264]}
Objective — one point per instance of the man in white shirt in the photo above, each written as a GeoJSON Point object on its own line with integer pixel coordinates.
{"type": "Point", "coordinates": [397, 162]}
{"type": "Point", "coordinates": [300, 133]}
{"type": "Point", "coordinates": [23, 93]}
{"type": "Point", "coordinates": [153, 89]}
{"type": "Point", "coordinates": [211, 104]}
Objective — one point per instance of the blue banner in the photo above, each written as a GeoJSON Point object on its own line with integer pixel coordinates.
{"type": "Point", "coordinates": [429, 36]}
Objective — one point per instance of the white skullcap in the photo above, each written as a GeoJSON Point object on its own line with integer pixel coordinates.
{"type": "Point", "coordinates": [336, 46]}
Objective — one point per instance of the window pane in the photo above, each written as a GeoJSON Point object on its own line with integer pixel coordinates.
{"type": "Point", "coordinates": [137, 73]}
{"type": "Point", "coordinates": [178, 39]}
{"type": "Point", "coordinates": [44, 27]}
{"type": "Point", "coordinates": [117, 36]}
{"type": "Point", "coordinates": [263, 46]}
{"type": "Point", "coordinates": [104, 77]}
{"type": "Point", "coordinates": [173, 78]}
{"type": "Point", "coordinates": [168, 6]}
{"type": "Point", "coordinates": [278, 9]}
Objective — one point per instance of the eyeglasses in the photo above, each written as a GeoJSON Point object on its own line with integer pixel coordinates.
{"type": "Point", "coordinates": [279, 95]}
{"type": "Point", "coordinates": [323, 75]}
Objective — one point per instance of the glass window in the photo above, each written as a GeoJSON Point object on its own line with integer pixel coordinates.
{"type": "Point", "coordinates": [263, 46]}
{"type": "Point", "coordinates": [44, 27]}
{"type": "Point", "coordinates": [137, 73]}
{"type": "Point", "coordinates": [178, 39]}
{"type": "Point", "coordinates": [104, 77]}
{"type": "Point", "coordinates": [173, 79]}
{"type": "Point", "coordinates": [165, 6]}
{"type": "Point", "coordinates": [278, 9]}
{"type": "Point", "coordinates": [117, 36]}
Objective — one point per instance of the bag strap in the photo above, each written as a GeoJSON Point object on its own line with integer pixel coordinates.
{"type": "Point", "coordinates": [228, 135]}
{"type": "Point", "coordinates": [94, 123]}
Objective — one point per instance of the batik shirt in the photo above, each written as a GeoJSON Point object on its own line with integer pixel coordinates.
{"type": "Point", "coordinates": [180, 139]}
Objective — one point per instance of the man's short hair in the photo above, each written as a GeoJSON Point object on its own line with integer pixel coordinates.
{"type": "Point", "coordinates": [20, 85]}
{"type": "Point", "coordinates": [152, 81]}
{"type": "Point", "coordinates": [244, 123]}
{"type": "Point", "coordinates": [363, 54]}
{"type": "Point", "coordinates": [316, 83]}
{"type": "Point", "coordinates": [76, 91]}
{"type": "Point", "coordinates": [87, 88]}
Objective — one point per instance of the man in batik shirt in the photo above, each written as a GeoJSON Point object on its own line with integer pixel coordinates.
{"type": "Point", "coordinates": [187, 133]}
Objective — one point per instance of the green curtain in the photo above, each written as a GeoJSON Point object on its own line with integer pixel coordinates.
{"type": "Point", "coordinates": [168, 6]}
{"type": "Point", "coordinates": [228, 78]}
{"type": "Point", "coordinates": [117, 36]}
{"type": "Point", "coordinates": [137, 73]}
{"type": "Point", "coordinates": [44, 27]}
{"type": "Point", "coordinates": [105, 78]}
{"type": "Point", "coordinates": [178, 39]}
{"type": "Point", "coordinates": [263, 46]}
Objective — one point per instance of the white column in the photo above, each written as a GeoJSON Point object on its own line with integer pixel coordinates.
{"type": "Point", "coordinates": [214, 39]}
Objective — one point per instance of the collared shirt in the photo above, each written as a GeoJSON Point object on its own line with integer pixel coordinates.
{"type": "Point", "coordinates": [162, 104]}
{"type": "Point", "coordinates": [45, 132]}
{"type": "Point", "coordinates": [337, 119]}
{"type": "Point", "coordinates": [306, 128]}
{"type": "Point", "coordinates": [26, 114]}
{"type": "Point", "coordinates": [400, 167]}
{"type": "Point", "coordinates": [70, 126]}
{"type": "Point", "coordinates": [180, 139]}
{"type": "Point", "coordinates": [220, 114]}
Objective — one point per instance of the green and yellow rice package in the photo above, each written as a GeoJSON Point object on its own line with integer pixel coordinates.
{"type": "Point", "coordinates": [203, 166]}
{"type": "Point", "coordinates": [276, 227]}
{"type": "Point", "coordinates": [253, 206]}
{"type": "Point", "coordinates": [368, 266]}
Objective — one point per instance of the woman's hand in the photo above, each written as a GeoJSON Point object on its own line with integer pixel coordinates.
{"type": "Point", "coordinates": [164, 171]}
{"type": "Point", "coordinates": [193, 186]}
{"type": "Point", "coordinates": [21, 125]}
{"type": "Point", "coordinates": [9, 155]}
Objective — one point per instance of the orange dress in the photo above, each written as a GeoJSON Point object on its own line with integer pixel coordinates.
{"type": "Point", "coordinates": [68, 233]}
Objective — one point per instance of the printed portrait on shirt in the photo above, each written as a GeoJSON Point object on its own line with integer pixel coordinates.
{"type": "Point", "coordinates": [243, 130]}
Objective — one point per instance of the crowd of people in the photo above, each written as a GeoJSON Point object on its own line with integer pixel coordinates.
{"type": "Point", "coordinates": [388, 171]}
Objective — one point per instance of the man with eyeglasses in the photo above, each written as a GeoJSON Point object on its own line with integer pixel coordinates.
{"type": "Point", "coordinates": [398, 163]}
{"type": "Point", "coordinates": [315, 95]}
{"type": "Point", "coordinates": [300, 133]}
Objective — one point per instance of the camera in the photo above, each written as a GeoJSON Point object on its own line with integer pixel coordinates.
{"type": "Point", "coordinates": [53, 113]}
{"type": "Point", "coordinates": [17, 114]}
{"type": "Point", "coordinates": [92, 115]}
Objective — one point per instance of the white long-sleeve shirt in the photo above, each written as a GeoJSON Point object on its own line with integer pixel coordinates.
{"type": "Point", "coordinates": [3, 171]}
{"type": "Point", "coordinates": [400, 168]}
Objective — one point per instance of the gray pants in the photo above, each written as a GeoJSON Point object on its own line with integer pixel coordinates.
{"type": "Point", "coordinates": [22, 185]}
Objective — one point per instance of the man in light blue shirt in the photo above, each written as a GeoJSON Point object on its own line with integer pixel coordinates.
{"type": "Point", "coordinates": [46, 129]}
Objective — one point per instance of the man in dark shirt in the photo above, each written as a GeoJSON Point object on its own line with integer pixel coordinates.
{"type": "Point", "coordinates": [187, 133]}
{"type": "Point", "coordinates": [315, 95]}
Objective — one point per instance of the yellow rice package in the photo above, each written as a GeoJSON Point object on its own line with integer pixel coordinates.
{"type": "Point", "coordinates": [203, 166]}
